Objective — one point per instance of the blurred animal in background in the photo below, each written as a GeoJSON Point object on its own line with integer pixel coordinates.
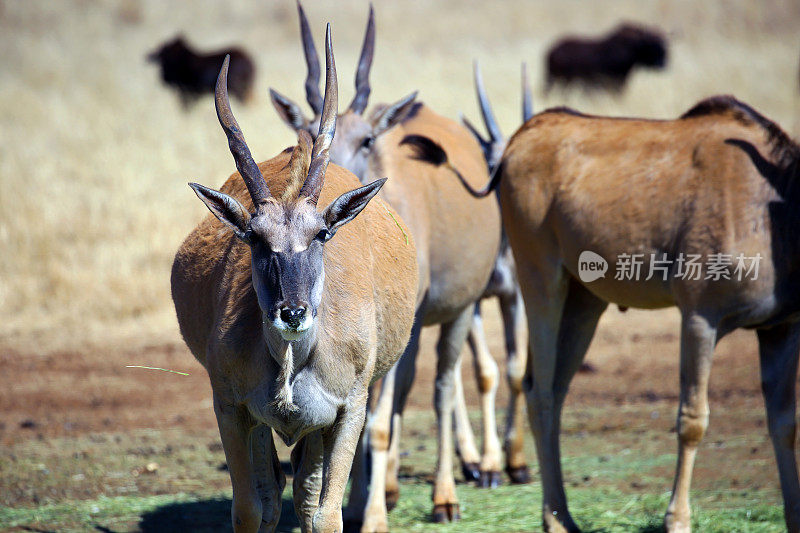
{"type": "Point", "coordinates": [194, 74]}
{"type": "Point", "coordinates": [605, 63]}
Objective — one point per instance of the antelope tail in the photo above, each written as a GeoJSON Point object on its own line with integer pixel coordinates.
{"type": "Point", "coordinates": [429, 151]}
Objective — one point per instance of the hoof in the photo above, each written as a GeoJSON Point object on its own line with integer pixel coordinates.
{"type": "Point", "coordinates": [675, 525]}
{"type": "Point", "coordinates": [553, 526]}
{"type": "Point", "coordinates": [446, 512]}
{"type": "Point", "coordinates": [519, 475]}
{"type": "Point", "coordinates": [471, 471]}
{"type": "Point", "coordinates": [490, 480]}
{"type": "Point", "coordinates": [392, 497]}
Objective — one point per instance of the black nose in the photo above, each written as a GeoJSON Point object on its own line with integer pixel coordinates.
{"type": "Point", "coordinates": [293, 315]}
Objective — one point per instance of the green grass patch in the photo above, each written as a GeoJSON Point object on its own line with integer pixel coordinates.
{"type": "Point", "coordinates": [617, 480]}
{"type": "Point", "coordinates": [517, 508]}
{"type": "Point", "coordinates": [506, 508]}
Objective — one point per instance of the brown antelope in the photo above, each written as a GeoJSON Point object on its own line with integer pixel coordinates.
{"type": "Point", "coordinates": [502, 284]}
{"type": "Point", "coordinates": [293, 315]}
{"type": "Point", "coordinates": [707, 207]}
{"type": "Point", "coordinates": [457, 239]}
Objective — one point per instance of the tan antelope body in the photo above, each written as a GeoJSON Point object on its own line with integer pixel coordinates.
{"type": "Point", "coordinates": [294, 315]}
{"type": "Point", "coordinates": [721, 179]}
{"type": "Point", "coordinates": [457, 239]}
{"type": "Point", "coordinates": [440, 211]}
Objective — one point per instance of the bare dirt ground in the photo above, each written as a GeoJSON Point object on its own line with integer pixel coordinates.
{"type": "Point", "coordinates": [635, 355]}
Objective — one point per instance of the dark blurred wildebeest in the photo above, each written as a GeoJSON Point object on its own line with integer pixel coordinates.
{"type": "Point", "coordinates": [195, 74]}
{"type": "Point", "coordinates": [605, 63]}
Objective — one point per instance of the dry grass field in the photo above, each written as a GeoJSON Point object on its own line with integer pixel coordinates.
{"type": "Point", "coordinates": [95, 155]}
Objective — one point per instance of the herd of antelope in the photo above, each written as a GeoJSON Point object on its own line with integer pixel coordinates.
{"type": "Point", "coordinates": [308, 319]}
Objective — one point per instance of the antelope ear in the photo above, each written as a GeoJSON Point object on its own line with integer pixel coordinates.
{"type": "Point", "coordinates": [386, 118]}
{"type": "Point", "coordinates": [228, 210]}
{"type": "Point", "coordinates": [289, 111]}
{"type": "Point", "coordinates": [349, 205]}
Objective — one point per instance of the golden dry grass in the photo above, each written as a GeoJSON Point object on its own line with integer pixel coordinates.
{"type": "Point", "coordinates": [95, 153]}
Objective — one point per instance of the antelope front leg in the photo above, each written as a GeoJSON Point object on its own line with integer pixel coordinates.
{"type": "Point", "coordinates": [778, 348]}
{"type": "Point", "coordinates": [353, 513]}
{"type": "Point", "coordinates": [306, 460]}
{"type": "Point", "coordinates": [339, 445]}
{"type": "Point", "coordinates": [487, 374]}
{"type": "Point", "coordinates": [380, 433]}
{"type": "Point", "coordinates": [267, 470]}
{"type": "Point", "coordinates": [256, 476]}
{"type": "Point", "coordinates": [698, 338]}
{"type": "Point", "coordinates": [451, 340]}
{"type": "Point", "coordinates": [513, 312]}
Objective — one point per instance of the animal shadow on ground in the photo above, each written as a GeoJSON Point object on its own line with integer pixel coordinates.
{"type": "Point", "coordinates": [210, 515]}
{"type": "Point", "coordinates": [654, 527]}
{"type": "Point", "coordinates": [206, 516]}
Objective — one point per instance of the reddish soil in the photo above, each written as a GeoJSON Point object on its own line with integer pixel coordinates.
{"type": "Point", "coordinates": [635, 355]}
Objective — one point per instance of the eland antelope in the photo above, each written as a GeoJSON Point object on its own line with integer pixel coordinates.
{"type": "Point", "coordinates": [717, 187]}
{"type": "Point", "coordinates": [457, 239]}
{"type": "Point", "coordinates": [294, 313]}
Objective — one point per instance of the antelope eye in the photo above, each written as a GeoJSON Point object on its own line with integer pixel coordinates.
{"type": "Point", "coordinates": [323, 235]}
{"type": "Point", "coordinates": [367, 142]}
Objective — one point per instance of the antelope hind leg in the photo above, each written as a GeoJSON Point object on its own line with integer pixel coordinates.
{"type": "Point", "coordinates": [778, 347]}
{"type": "Point", "coordinates": [562, 317]}
{"type": "Point", "coordinates": [466, 450]}
{"type": "Point", "coordinates": [451, 339]}
{"type": "Point", "coordinates": [513, 313]}
{"type": "Point", "coordinates": [486, 373]}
